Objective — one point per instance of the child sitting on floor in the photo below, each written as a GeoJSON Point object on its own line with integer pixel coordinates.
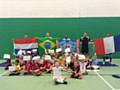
{"type": "Point", "coordinates": [8, 61]}
{"type": "Point", "coordinates": [75, 73]}
{"type": "Point", "coordinates": [27, 67]}
{"type": "Point", "coordinates": [62, 61]}
{"type": "Point", "coordinates": [15, 69]}
{"type": "Point", "coordinates": [57, 74]}
{"type": "Point", "coordinates": [47, 64]}
{"type": "Point", "coordinates": [95, 62]}
{"type": "Point", "coordinates": [83, 67]}
{"type": "Point", "coordinates": [49, 67]}
{"type": "Point", "coordinates": [88, 64]}
{"type": "Point", "coordinates": [68, 60]}
{"type": "Point", "coordinates": [36, 66]}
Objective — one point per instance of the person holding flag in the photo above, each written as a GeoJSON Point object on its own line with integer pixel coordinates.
{"type": "Point", "coordinates": [66, 39]}
{"type": "Point", "coordinates": [46, 43]}
{"type": "Point", "coordinates": [109, 55]}
{"type": "Point", "coordinates": [106, 46]}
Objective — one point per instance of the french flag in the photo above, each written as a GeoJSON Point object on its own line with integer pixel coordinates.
{"type": "Point", "coordinates": [107, 45]}
{"type": "Point", "coordinates": [25, 44]}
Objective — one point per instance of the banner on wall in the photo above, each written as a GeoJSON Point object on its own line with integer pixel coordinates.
{"type": "Point", "coordinates": [74, 45]}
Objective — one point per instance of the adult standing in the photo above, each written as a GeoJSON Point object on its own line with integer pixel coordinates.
{"type": "Point", "coordinates": [66, 39]}
{"type": "Point", "coordinates": [26, 35]}
{"type": "Point", "coordinates": [48, 35]}
{"type": "Point", "coordinates": [85, 44]}
{"type": "Point", "coordinates": [107, 56]}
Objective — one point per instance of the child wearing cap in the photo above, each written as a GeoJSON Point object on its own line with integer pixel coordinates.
{"type": "Point", "coordinates": [57, 74]}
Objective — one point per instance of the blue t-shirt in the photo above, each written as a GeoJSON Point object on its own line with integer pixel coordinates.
{"type": "Point", "coordinates": [95, 62]}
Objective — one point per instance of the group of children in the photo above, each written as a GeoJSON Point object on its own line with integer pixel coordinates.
{"type": "Point", "coordinates": [30, 63]}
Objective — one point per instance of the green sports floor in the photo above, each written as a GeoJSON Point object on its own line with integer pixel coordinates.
{"type": "Point", "coordinates": [101, 80]}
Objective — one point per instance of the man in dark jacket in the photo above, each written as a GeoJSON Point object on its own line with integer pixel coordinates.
{"type": "Point", "coordinates": [85, 44]}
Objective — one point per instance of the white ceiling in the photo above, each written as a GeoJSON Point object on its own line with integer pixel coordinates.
{"type": "Point", "coordinates": [59, 8]}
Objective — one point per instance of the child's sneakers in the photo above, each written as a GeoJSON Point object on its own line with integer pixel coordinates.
{"type": "Point", "coordinates": [56, 83]}
{"type": "Point", "coordinates": [65, 82]}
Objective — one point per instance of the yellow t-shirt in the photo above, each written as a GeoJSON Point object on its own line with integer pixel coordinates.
{"type": "Point", "coordinates": [18, 68]}
{"type": "Point", "coordinates": [62, 62]}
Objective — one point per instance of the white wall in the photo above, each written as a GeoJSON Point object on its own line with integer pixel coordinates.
{"type": "Point", "coordinates": [59, 8]}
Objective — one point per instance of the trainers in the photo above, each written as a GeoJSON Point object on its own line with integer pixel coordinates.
{"type": "Point", "coordinates": [65, 82]}
{"type": "Point", "coordinates": [56, 83]}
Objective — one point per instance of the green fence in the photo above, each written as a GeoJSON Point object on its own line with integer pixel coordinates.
{"type": "Point", "coordinates": [11, 28]}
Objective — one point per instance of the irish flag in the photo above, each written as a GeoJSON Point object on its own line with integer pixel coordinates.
{"type": "Point", "coordinates": [107, 45]}
{"type": "Point", "coordinates": [25, 44]}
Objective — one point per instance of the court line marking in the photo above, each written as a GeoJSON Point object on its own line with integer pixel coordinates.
{"type": "Point", "coordinates": [106, 82]}
{"type": "Point", "coordinates": [3, 73]}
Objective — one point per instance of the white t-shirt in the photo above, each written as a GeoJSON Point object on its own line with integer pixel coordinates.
{"type": "Point", "coordinates": [68, 59]}
{"type": "Point", "coordinates": [57, 71]}
{"type": "Point", "coordinates": [82, 67]}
